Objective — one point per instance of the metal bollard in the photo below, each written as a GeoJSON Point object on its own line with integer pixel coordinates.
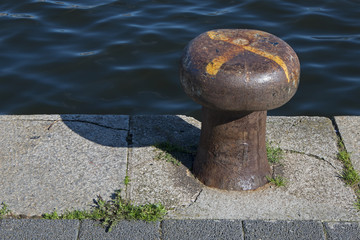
{"type": "Point", "coordinates": [236, 75]}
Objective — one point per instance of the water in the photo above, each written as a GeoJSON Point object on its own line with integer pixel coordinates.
{"type": "Point", "coordinates": [121, 57]}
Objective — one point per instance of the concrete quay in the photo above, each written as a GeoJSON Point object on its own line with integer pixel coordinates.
{"type": "Point", "coordinates": [64, 162]}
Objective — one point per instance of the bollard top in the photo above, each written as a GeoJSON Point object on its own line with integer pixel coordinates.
{"type": "Point", "coordinates": [239, 70]}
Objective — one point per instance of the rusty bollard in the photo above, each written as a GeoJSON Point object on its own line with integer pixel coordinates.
{"type": "Point", "coordinates": [236, 75]}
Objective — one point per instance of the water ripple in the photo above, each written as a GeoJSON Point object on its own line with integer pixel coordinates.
{"type": "Point", "coordinates": [115, 56]}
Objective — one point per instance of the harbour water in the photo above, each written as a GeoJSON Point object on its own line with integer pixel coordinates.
{"type": "Point", "coordinates": [122, 57]}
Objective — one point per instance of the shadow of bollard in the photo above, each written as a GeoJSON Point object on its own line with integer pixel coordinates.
{"type": "Point", "coordinates": [160, 153]}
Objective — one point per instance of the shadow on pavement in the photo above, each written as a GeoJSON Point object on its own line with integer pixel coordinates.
{"type": "Point", "coordinates": [175, 135]}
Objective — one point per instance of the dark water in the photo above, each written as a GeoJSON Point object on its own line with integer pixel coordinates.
{"type": "Point", "coordinates": [121, 57]}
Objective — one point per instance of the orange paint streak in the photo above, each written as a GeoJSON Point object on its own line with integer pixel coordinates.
{"type": "Point", "coordinates": [214, 66]}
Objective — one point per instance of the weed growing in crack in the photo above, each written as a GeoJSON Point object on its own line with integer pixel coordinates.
{"type": "Point", "coordinates": [4, 210]}
{"type": "Point", "coordinates": [109, 213]}
{"type": "Point", "coordinates": [274, 154]}
{"type": "Point", "coordinates": [126, 180]}
{"type": "Point", "coordinates": [350, 176]}
{"type": "Point", "coordinates": [278, 181]}
{"type": "Point", "coordinates": [113, 211]}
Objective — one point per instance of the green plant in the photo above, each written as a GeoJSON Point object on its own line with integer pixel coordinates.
{"type": "Point", "coordinates": [278, 181]}
{"type": "Point", "coordinates": [167, 151]}
{"type": "Point", "coordinates": [274, 154]}
{"type": "Point", "coordinates": [126, 180]}
{"type": "Point", "coordinates": [4, 210]}
{"type": "Point", "coordinates": [349, 174]}
{"type": "Point", "coordinates": [111, 212]}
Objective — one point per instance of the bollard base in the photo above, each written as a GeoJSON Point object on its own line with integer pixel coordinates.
{"type": "Point", "coordinates": [232, 150]}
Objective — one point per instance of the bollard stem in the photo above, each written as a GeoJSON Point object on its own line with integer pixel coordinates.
{"type": "Point", "coordinates": [232, 150]}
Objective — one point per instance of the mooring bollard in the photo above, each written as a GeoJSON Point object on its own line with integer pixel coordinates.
{"type": "Point", "coordinates": [237, 75]}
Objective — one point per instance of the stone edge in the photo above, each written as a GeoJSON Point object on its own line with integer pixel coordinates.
{"type": "Point", "coordinates": [177, 229]}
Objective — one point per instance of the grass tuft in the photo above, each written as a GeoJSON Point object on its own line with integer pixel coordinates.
{"type": "Point", "coordinates": [109, 213]}
{"type": "Point", "coordinates": [274, 154]}
{"type": "Point", "coordinates": [126, 180]}
{"type": "Point", "coordinates": [4, 210]}
{"type": "Point", "coordinates": [113, 211]}
{"type": "Point", "coordinates": [278, 181]}
{"type": "Point", "coordinates": [349, 174]}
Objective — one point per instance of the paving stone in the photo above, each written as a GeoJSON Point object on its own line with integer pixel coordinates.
{"type": "Point", "coordinates": [56, 164]}
{"type": "Point", "coordinates": [342, 230]}
{"type": "Point", "coordinates": [154, 180]}
{"type": "Point", "coordinates": [349, 127]}
{"type": "Point", "coordinates": [38, 229]}
{"type": "Point", "coordinates": [259, 229]}
{"type": "Point", "coordinates": [123, 230]}
{"type": "Point", "coordinates": [314, 136]}
{"type": "Point", "coordinates": [120, 122]}
{"type": "Point", "coordinates": [202, 229]}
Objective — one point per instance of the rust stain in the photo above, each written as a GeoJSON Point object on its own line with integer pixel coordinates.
{"type": "Point", "coordinates": [214, 66]}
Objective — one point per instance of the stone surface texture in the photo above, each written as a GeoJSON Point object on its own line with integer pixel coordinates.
{"type": "Point", "coordinates": [202, 229]}
{"type": "Point", "coordinates": [342, 230]}
{"type": "Point", "coordinates": [153, 178]}
{"type": "Point", "coordinates": [60, 162]}
{"type": "Point", "coordinates": [123, 230]}
{"type": "Point", "coordinates": [15, 229]}
{"type": "Point", "coordinates": [259, 229]}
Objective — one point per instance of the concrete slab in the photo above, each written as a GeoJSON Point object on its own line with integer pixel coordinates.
{"type": "Point", "coordinates": [120, 122]}
{"type": "Point", "coordinates": [123, 230]}
{"type": "Point", "coordinates": [64, 161]}
{"type": "Point", "coordinates": [314, 136]}
{"type": "Point", "coordinates": [314, 190]}
{"type": "Point", "coordinates": [319, 197]}
{"type": "Point", "coordinates": [48, 163]}
{"type": "Point", "coordinates": [342, 230]}
{"type": "Point", "coordinates": [202, 229]}
{"type": "Point", "coordinates": [349, 127]}
{"type": "Point", "coordinates": [155, 180]}
{"type": "Point", "coordinates": [14, 229]}
{"type": "Point", "coordinates": [258, 229]}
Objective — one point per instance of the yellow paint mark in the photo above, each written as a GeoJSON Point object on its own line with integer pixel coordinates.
{"type": "Point", "coordinates": [218, 36]}
{"type": "Point", "coordinates": [274, 58]}
{"type": "Point", "coordinates": [214, 66]}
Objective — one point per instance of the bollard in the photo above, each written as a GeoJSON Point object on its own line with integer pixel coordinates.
{"type": "Point", "coordinates": [236, 75]}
